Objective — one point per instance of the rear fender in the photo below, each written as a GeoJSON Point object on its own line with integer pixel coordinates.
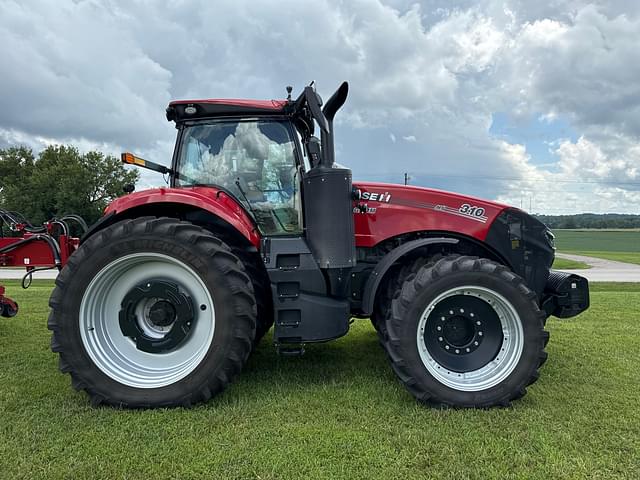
{"type": "Point", "coordinates": [175, 202]}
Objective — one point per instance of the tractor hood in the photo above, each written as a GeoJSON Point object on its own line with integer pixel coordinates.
{"type": "Point", "coordinates": [384, 210]}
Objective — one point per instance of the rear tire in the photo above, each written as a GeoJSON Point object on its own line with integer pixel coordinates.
{"type": "Point", "coordinates": [466, 332]}
{"type": "Point", "coordinates": [215, 302]}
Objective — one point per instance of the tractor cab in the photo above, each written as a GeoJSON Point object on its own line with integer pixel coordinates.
{"type": "Point", "coordinates": [255, 160]}
{"type": "Point", "coordinates": [256, 151]}
{"type": "Point", "coordinates": [265, 156]}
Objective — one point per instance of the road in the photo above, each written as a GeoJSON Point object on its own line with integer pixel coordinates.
{"type": "Point", "coordinates": [18, 273]}
{"type": "Point", "coordinates": [601, 270]}
{"type": "Point", "coordinates": [604, 270]}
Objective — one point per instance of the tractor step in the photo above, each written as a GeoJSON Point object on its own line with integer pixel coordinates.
{"type": "Point", "coordinates": [304, 311]}
{"type": "Point", "coordinates": [293, 350]}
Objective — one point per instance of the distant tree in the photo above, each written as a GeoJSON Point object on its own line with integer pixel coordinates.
{"type": "Point", "coordinates": [60, 181]}
{"type": "Point", "coordinates": [591, 220]}
{"type": "Point", "coordinates": [16, 169]}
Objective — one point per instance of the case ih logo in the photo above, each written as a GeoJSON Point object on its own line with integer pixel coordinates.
{"type": "Point", "coordinates": [376, 197]}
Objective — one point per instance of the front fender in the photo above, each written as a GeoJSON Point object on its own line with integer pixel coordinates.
{"type": "Point", "coordinates": [376, 276]}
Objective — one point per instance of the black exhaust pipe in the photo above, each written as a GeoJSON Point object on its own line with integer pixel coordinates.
{"type": "Point", "coordinates": [331, 107]}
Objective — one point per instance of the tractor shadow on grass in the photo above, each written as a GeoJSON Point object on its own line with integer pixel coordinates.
{"type": "Point", "coordinates": [356, 358]}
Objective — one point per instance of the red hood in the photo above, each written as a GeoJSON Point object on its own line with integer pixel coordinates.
{"type": "Point", "coordinates": [419, 191]}
{"type": "Point", "coordinates": [392, 210]}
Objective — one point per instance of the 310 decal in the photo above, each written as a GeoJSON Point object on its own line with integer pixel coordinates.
{"type": "Point", "coordinates": [471, 210]}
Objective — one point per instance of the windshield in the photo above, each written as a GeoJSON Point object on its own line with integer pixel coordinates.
{"type": "Point", "coordinates": [254, 160]}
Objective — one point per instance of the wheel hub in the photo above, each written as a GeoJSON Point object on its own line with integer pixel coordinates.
{"type": "Point", "coordinates": [157, 315]}
{"type": "Point", "coordinates": [458, 331]}
{"type": "Point", "coordinates": [463, 333]}
{"type": "Point", "coordinates": [162, 313]}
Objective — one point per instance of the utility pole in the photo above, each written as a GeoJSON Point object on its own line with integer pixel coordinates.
{"type": "Point", "coordinates": [406, 178]}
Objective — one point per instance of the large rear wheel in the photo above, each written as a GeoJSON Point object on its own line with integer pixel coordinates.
{"type": "Point", "coordinates": [152, 312]}
{"type": "Point", "coordinates": [466, 332]}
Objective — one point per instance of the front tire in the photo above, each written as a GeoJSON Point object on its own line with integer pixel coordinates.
{"type": "Point", "coordinates": [466, 332]}
{"type": "Point", "coordinates": [152, 312]}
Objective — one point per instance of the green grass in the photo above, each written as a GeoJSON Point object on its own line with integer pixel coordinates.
{"type": "Point", "coordinates": [337, 412]}
{"type": "Point", "coordinates": [597, 240]}
{"type": "Point", "coordinates": [565, 264]}
{"type": "Point", "coordinates": [627, 257]}
{"type": "Point", "coordinates": [620, 245]}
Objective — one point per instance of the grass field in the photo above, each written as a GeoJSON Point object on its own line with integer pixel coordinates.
{"type": "Point", "coordinates": [565, 264]}
{"type": "Point", "coordinates": [337, 412]}
{"type": "Point", "coordinates": [621, 245]}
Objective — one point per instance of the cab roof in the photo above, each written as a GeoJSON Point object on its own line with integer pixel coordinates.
{"type": "Point", "coordinates": [180, 110]}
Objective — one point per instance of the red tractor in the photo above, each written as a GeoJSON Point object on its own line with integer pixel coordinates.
{"type": "Point", "coordinates": [167, 295]}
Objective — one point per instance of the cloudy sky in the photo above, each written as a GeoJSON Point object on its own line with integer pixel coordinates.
{"type": "Point", "coordinates": [536, 104]}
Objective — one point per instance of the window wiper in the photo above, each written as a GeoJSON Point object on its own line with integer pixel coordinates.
{"type": "Point", "coordinates": [244, 195]}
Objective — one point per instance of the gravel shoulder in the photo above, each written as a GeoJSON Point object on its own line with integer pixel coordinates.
{"type": "Point", "coordinates": [603, 270]}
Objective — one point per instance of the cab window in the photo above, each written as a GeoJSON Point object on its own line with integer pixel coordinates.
{"type": "Point", "coordinates": [253, 160]}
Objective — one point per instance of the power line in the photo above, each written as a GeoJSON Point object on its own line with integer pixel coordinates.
{"type": "Point", "coordinates": [497, 178]}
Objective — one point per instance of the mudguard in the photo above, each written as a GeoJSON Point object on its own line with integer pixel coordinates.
{"type": "Point", "coordinates": [371, 287]}
{"type": "Point", "coordinates": [212, 200]}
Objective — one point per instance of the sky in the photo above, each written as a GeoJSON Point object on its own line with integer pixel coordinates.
{"type": "Point", "coordinates": [534, 104]}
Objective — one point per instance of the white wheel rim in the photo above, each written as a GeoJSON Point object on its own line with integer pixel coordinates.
{"type": "Point", "coordinates": [114, 353]}
{"type": "Point", "coordinates": [498, 369]}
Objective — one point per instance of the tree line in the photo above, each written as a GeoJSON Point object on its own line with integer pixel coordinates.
{"type": "Point", "coordinates": [591, 220]}
{"type": "Point", "coordinates": [60, 180]}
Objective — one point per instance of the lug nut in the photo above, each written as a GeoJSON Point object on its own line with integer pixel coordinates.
{"type": "Point", "coordinates": [468, 349]}
{"type": "Point", "coordinates": [438, 328]}
{"type": "Point", "coordinates": [471, 315]}
{"type": "Point", "coordinates": [457, 351]}
{"type": "Point", "coordinates": [450, 312]}
{"type": "Point", "coordinates": [462, 310]}
{"type": "Point", "coordinates": [475, 343]}
{"type": "Point", "coordinates": [439, 339]}
{"type": "Point", "coordinates": [480, 333]}
{"type": "Point", "coordinates": [478, 322]}
{"type": "Point", "coordinates": [447, 347]}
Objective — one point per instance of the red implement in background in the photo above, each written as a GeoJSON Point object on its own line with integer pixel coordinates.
{"type": "Point", "coordinates": [34, 248]}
